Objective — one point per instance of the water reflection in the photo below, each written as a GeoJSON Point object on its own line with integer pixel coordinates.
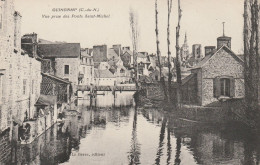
{"type": "Point", "coordinates": [134, 153]}
{"type": "Point", "coordinates": [161, 143]}
{"type": "Point", "coordinates": [127, 135]}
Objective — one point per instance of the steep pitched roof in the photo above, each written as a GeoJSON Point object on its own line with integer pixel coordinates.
{"type": "Point", "coordinates": [111, 53]}
{"type": "Point", "coordinates": [56, 78]}
{"type": "Point", "coordinates": [46, 100]}
{"type": "Point", "coordinates": [61, 50]}
{"type": "Point", "coordinates": [206, 58]}
{"type": "Point", "coordinates": [129, 52]}
{"type": "Point", "coordinates": [140, 55]}
{"type": "Point", "coordinates": [103, 74]}
{"type": "Point", "coordinates": [187, 78]}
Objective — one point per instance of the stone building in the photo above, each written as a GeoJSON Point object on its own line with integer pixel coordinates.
{"type": "Point", "coordinates": [104, 66]}
{"type": "Point", "coordinates": [219, 76]}
{"type": "Point", "coordinates": [66, 59]}
{"type": "Point", "coordinates": [104, 78]}
{"type": "Point", "coordinates": [127, 58]}
{"type": "Point", "coordinates": [86, 69]}
{"type": "Point", "coordinates": [20, 72]}
{"type": "Point", "coordinates": [123, 75]}
{"type": "Point", "coordinates": [7, 28]}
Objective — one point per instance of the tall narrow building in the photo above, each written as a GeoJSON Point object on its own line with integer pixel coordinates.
{"type": "Point", "coordinates": [185, 49]}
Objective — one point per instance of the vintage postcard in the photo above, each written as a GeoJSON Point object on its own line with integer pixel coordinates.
{"type": "Point", "coordinates": [126, 82]}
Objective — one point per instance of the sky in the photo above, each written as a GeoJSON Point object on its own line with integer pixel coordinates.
{"type": "Point", "coordinates": [201, 20]}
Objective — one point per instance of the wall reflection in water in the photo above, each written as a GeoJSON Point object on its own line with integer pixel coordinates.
{"type": "Point", "coordinates": [129, 135]}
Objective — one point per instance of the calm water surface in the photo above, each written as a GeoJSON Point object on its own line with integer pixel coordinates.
{"type": "Point", "coordinates": [128, 135]}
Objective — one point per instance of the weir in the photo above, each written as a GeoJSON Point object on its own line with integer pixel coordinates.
{"type": "Point", "coordinates": [107, 88]}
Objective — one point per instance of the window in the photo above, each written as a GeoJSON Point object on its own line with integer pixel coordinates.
{"type": "Point", "coordinates": [66, 69]}
{"type": "Point", "coordinates": [84, 70]}
{"type": "Point", "coordinates": [156, 78]}
{"type": "Point", "coordinates": [225, 87]}
{"type": "Point", "coordinates": [24, 87]}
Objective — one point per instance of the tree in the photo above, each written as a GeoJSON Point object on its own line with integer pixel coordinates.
{"type": "Point", "coordinates": [135, 38]}
{"type": "Point", "coordinates": [177, 61]}
{"type": "Point", "coordinates": [251, 55]}
{"type": "Point", "coordinates": [169, 4]}
{"type": "Point", "coordinates": [158, 51]}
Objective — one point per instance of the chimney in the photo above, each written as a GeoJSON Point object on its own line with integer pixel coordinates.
{"type": "Point", "coordinates": [209, 50]}
{"type": "Point", "coordinates": [124, 49]}
{"type": "Point", "coordinates": [29, 44]}
{"type": "Point", "coordinates": [223, 41]}
{"type": "Point", "coordinates": [90, 51]}
{"type": "Point", "coordinates": [196, 51]}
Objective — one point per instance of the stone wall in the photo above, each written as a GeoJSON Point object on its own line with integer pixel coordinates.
{"type": "Point", "coordinates": [73, 70]}
{"type": "Point", "coordinates": [27, 86]}
{"type": "Point", "coordinates": [222, 64]}
{"type": "Point", "coordinates": [14, 69]}
{"type": "Point", "coordinates": [6, 53]}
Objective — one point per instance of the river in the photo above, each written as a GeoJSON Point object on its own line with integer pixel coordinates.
{"type": "Point", "coordinates": [131, 135]}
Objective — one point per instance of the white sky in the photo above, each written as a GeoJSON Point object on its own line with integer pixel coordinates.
{"type": "Point", "coordinates": [201, 19]}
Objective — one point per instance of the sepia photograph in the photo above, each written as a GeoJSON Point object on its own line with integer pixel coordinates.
{"type": "Point", "coordinates": [129, 82]}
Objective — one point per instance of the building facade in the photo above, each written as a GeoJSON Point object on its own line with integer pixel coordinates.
{"type": "Point", "coordinates": [219, 76]}
{"type": "Point", "coordinates": [20, 73]}
{"type": "Point", "coordinates": [86, 69]}
{"type": "Point", "coordinates": [104, 78]}
{"type": "Point", "coordinates": [65, 58]}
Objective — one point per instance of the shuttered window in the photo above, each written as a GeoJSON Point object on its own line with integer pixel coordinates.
{"type": "Point", "coordinates": [224, 86]}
